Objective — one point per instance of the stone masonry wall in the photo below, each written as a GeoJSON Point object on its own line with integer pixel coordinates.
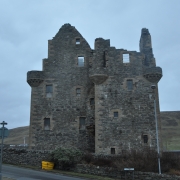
{"type": "Point", "coordinates": [135, 107]}
{"type": "Point", "coordinates": [34, 158]}
{"type": "Point", "coordinates": [103, 79]}
{"type": "Point", "coordinates": [64, 108]}
{"type": "Point", "coordinates": [25, 157]}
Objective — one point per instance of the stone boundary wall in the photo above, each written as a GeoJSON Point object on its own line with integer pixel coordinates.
{"type": "Point", "coordinates": [25, 157]}
{"type": "Point", "coordinates": [34, 158]}
{"type": "Point", "coordinates": [114, 173]}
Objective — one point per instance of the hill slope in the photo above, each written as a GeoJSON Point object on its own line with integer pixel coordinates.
{"type": "Point", "coordinates": [16, 136]}
{"type": "Point", "coordinates": [170, 121]}
{"type": "Point", "coordinates": [170, 131]}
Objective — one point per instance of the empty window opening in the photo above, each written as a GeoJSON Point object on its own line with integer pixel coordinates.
{"type": "Point", "coordinates": [80, 61]}
{"type": "Point", "coordinates": [78, 92]}
{"type": "Point", "coordinates": [82, 123]}
{"type": "Point", "coordinates": [130, 85]}
{"type": "Point", "coordinates": [126, 58]}
{"type": "Point", "coordinates": [78, 41]}
{"type": "Point", "coordinates": [92, 101]}
{"type": "Point", "coordinates": [49, 91]}
{"type": "Point", "coordinates": [145, 139]}
{"type": "Point", "coordinates": [46, 123]}
{"type": "Point", "coordinates": [112, 150]}
{"type": "Point", "coordinates": [115, 114]}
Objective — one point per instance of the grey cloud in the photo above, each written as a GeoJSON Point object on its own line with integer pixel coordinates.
{"type": "Point", "coordinates": [26, 26]}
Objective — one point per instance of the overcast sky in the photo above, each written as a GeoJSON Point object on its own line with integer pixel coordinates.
{"type": "Point", "coordinates": [27, 25]}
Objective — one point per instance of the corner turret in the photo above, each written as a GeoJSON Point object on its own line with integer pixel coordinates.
{"type": "Point", "coordinates": [153, 74]}
{"type": "Point", "coordinates": [35, 78]}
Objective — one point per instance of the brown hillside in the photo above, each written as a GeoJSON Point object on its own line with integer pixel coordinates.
{"type": "Point", "coordinates": [170, 121]}
{"type": "Point", "coordinates": [16, 136]}
{"type": "Point", "coordinates": [170, 131]}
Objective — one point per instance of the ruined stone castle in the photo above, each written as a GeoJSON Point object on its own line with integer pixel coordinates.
{"type": "Point", "coordinates": [97, 100]}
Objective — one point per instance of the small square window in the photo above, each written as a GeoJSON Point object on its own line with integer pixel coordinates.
{"type": "Point", "coordinates": [78, 92]}
{"type": "Point", "coordinates": [78, 41]}
{"type": "Point", "coordinates": [126, 58]}
{"type": "Point", "coordinates": [49, 91]}
{"type": "Point", "coordinates": [92, 101]}
{"type": "Point", "coordinates": [145, 139]}
{"type": "Point", "coordinates": [130, 85]}
{"type": "Point", "coordinates": [82, 123]}
{"type": "Point", "coordinates": [116, 114]}
{"type": "Point", "coordinates": [47, 124]}
{"type": "Point", "coordinates": [80, 61]}
{"type": "Point", "coordinates": [112, 150]}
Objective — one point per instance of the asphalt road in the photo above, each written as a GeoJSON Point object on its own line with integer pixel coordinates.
{"type": "Point", "coordinates": [28, 174]}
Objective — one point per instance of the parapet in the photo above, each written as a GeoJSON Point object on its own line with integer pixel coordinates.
{"type": "Point", "coordinates": [35, 78]}
{"type": "Point", "coordinates": [101, 43]}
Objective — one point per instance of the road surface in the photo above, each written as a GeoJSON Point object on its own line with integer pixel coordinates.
{"type": "Point", "coordinates": [19, 173]}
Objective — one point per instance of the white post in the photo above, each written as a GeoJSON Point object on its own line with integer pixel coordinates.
{"type": "Point", "coordinates": [157, 137]}
{"type": "Point", "coordinates": [24, 140]}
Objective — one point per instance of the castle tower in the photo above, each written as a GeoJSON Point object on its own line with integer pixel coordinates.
{"type": "Point", "coordinates": [60, 95]}
{"type": "Point", "coordinates": [98, 75]}
{"type": "Point", "coordinates": [152, 73]}
{"type": "Point", "coordinates": [97, 100]}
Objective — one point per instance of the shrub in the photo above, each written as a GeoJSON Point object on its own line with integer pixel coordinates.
{"type": "Point", "coordinates": [144, 160]}
{"type": "Point", "coordinates": [103, 162]}
{"type": "Point", "coordinates": [88, 158]}
{"type": "Point", "coordinates": [174, 172]}
{"type": "Point", "coordinates": [170, 160]}
{"type": "Point", "coordinates": [66, 158]}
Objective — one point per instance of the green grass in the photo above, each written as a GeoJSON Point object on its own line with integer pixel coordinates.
{"type": "Point", "coordinates": [172, 143]}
